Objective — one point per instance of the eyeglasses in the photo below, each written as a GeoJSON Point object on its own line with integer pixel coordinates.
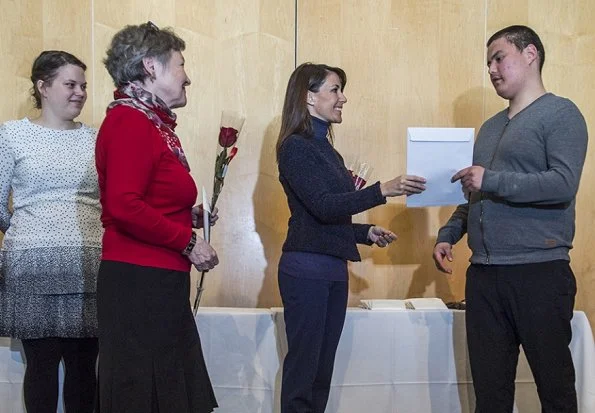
{"type": "Point", "coordinates": [150, 28]}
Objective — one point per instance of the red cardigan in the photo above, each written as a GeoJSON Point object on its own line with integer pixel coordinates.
{"type": "Point", "coordinates": [146, 193]}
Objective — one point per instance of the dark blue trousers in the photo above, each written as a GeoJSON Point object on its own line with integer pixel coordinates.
{"type": "Point", "coordinates": [314, 316]}
{"type": "Point", "coordinates": [529, 305]}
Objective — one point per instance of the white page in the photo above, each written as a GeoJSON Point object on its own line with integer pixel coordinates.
{"type": "Point", "coordinates": [206, 216]}
{"type": "Point", "coordinates": [437, 154]}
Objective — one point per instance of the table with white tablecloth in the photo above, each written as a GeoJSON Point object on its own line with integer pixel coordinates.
{"type": "Point", "coordinates": [417, 361]}
{"type": "Point", "coordinates": [388, 361]}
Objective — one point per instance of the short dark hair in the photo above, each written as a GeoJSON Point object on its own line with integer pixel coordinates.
{"type": "Point", "coordinates": [124, 60]}
{"type": "Point", "coordinates": [296, 118]}
{"type": "Point", "coordinates": [521, 37]}
{"type": "Point", "coordinates": [45, 68]}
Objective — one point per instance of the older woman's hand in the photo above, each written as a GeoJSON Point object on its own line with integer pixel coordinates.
{"type": "Point", "coordinates": [203, 256]}
{"type": "Point", "coordinates": [198, 213]}
{"type": "Point", "coordinates": [380, 236]}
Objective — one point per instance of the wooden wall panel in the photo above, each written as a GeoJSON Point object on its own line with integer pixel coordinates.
{"type": "Point", "coordinates": [28, 27]}
{"type": "Point", "coordinates": [241, 62]}
{"type": "Point", "coordinates": [409, 63]}
{"type": "Point", "coordinates": [238, 57]}
{"type": "Point", "coordinates": [68, 26]}
{"type": "Point", "coordinates": [422, 63]}
{"type": "Point", "coordinates": [19, 44]}
{"type": "Point", "coordinates": [109, 16]}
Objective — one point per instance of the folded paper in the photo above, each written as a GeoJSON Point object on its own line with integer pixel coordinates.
{"type": "Point", "coordinates": [407, 304]}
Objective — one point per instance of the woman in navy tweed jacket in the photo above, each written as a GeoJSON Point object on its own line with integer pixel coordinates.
{"type": "Point", "coordinates": [321, 238]}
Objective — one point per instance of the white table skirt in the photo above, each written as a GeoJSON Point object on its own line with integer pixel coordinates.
{"type": "Point", "coordinates": [417, 361]}
{"type": "Point", "coordinates": [408, 361]}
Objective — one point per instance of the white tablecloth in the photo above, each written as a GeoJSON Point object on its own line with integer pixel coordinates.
{"type": "Point", "coordinates": [406, 362]}
{"type": "Point", "coordinates": [417, 361]}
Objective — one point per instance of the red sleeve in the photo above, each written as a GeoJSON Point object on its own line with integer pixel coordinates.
{"type": "Point", "coordinates": [128, 150]}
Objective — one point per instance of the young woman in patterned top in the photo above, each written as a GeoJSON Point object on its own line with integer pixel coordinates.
{"type": "Point", "coordinates": [52, 237]}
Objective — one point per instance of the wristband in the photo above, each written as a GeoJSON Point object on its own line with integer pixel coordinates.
{"type": "Point", "coordinates": [190, 245]}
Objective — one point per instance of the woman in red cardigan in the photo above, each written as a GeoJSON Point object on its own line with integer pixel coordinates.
{"type": "Point", "coordinates": [150, 353]}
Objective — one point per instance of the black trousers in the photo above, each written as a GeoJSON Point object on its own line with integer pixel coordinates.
{"type": "Point", "coordinates": [40, 385]}
{"type": "Point", "coordinates": [529, 305]}
{"type": "Point", "coordinates": [314, 312]}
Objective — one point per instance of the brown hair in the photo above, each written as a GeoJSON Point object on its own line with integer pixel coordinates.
{"type": "Point", "coordinates": [521, 37]}
{"type": "Point", "coordinates": [296, 118]}
{"type": "Point", "coordinates": [45, 68]}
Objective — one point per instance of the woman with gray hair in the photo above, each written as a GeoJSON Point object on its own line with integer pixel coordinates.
{"type": "Point", "coordinates": [150, 356]}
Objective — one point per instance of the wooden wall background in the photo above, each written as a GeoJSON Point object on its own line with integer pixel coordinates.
{"type": "Point", "coordinates": [409, 63]}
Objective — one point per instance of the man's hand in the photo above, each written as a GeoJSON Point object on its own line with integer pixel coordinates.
{"type": "Point", "coordinates": [443, 253]}
{"type": "Point", "coordinates": [471, 178]}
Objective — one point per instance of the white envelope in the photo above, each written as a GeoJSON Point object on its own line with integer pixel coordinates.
{"type": "Point", "coordinates": [437, 154]}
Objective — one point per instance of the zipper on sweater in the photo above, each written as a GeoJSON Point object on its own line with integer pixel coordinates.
{"type": "Point", "coordinates": [481, 220]}
{"type": "Point", "coordinates": [483, 240]}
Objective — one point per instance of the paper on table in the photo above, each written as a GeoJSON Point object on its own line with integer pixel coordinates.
{"type": "Point", "coordinates": [408, 304]}
{"type": "Point", "coordinates": [437, 154]}
{"type": "Point", "coordinates": [383, 304]}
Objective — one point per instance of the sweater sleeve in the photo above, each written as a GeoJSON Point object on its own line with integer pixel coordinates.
{"type": "Point", "coordinates": [130, 151]}
{"type": "Point", "coordinates": [566, 148]}
{"type": "Point", "coordinates": [361, 233]}
{"type": "Point", "coordinates": [456, 226]}
{"type": "Point", "coordinates": [6, 170]}
{"type": "Point", "coordinates": [299, 167]}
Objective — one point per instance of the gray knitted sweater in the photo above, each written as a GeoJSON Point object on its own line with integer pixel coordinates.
{"type": "Point", "coordinates": [526, 208]}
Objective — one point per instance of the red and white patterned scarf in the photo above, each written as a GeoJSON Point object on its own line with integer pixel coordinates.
{"type": "Point", "coordinates": [156, 110]}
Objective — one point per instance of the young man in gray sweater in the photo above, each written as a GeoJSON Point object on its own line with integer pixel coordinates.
{"type": "Point", "coordinates": [520, 289]}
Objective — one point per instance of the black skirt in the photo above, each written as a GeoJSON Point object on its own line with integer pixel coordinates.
{"type": "Point", "coordinates": [150, 356]}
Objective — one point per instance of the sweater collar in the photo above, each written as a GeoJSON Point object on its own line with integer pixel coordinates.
{"type": "Point", "coordinates": [320, 128]}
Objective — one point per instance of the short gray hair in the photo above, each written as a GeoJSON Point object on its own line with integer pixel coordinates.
{"type": "Point", "coordinates": [124, 60]}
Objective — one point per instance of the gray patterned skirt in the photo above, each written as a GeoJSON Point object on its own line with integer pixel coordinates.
{"type": "Point", "coordinates": [49, 292]}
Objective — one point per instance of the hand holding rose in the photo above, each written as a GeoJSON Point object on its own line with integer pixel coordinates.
{"type": "Point", "coordinates": [198, 213]}
{"type": "Point", "coordinates": [203, 256]}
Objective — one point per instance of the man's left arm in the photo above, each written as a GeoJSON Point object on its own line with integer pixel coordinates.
{"type": "Point", "coordinates": [566, 148]}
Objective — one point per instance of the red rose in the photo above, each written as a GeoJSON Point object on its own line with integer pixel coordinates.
{"type": "Point", "coordinates": [227, 137]}
{"type": "Point", "coordinates": [232, 153]}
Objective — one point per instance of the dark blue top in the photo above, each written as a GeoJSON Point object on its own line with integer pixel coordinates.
{"type": "Point", "coordinates": [322, 197]}
{"type": "Point", "coordinates": [313, 266]}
